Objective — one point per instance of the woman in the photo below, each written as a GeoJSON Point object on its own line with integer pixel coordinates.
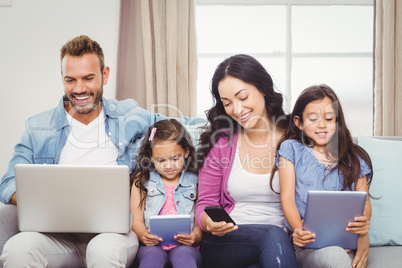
{"type": "Point", "coordinates": [238, 153]}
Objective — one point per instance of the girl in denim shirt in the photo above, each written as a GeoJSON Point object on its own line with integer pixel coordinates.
{"type": "Point", "coordinates": [318, 153]}
{"type": "Point", "coordinates": [165, 183]}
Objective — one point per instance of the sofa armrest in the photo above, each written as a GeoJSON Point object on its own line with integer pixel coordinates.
{"type": "Point", "coordinates": [8, 224]}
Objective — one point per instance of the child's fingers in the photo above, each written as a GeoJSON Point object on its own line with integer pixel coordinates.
{"type": "Point", "coordinates": [359, 224]}
{"type": "Point", "coordinates": [185, 239]}
{"type": "Point", "coordinates": [148, 235]}
{"type": "Point", "coordinates": [185, 242]}
{"type": "Point", "coordinates": [151, 241]}
{"type": "Point", "coordinates": [361, 218]}
{"type": "Point", "coordinates": [154, 237]}
{"type": "Point", "coordinates": [358, 231]}
{"type": "Point", "coordinates": [302, 237]}
{"type": "Point", "coordinates": [358, 228]}
{"type": "Point", "coordinates": [300, 232]}
{"type": "Point", "coordinates": [302, 241]}
{"type": "Point", "coordinates": [184, 236]}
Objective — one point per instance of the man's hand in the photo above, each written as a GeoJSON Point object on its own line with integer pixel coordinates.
{"type": "Point", "coordinates": [13, 199]}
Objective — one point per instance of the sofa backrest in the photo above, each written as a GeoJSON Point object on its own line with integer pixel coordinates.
{"type": "Point", "coordinates": [391, 138]}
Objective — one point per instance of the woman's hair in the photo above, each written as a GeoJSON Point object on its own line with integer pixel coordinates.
{"type": "Point", "coordinates": [249, 70]}
{"type": "Point", "coordinates": [341, 148]}
{"type": "Point", "coordinates": [166, 130]}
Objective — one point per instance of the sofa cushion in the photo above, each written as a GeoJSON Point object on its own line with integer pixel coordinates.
{"type": "Point", "coordinates": [386, 219]}
{"type": "Point", "coordinates": [386, 257]}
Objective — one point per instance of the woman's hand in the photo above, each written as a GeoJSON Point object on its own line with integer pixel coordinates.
{"type": "Point", "coordinates": [360, 226]}
{"type": "Point", "coordinates": [302, 238]}
{"type": "Point", "coordinates": [219, 228]}
{"type": "Point", "coordinates": [150, 240]}
{"type": "Point", "coordinates": [193, 239]}
{"type": "Point", "coordinates": [362, 252]}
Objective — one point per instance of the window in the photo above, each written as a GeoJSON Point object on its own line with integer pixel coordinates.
{"type": "Point", "coordinates": [299, 42]}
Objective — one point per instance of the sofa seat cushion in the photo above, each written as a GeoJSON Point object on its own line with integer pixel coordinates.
{"type": "Point", "coordinates": [385, 257]}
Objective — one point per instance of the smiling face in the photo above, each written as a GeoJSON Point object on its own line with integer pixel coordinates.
{"type": "Point", "coordinates": [319, 121]}
{"type": "Point", "coordinates": [83, 85]}
{"type": "Point", "coordinates": [168, 158]}
{"type": "Point", "coordinates": [243, 102]}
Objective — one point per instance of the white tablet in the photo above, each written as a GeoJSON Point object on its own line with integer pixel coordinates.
{"type": "Point", "coordinates": [167, 226]}
{"type": "Point", "coordinates": [327, 215]}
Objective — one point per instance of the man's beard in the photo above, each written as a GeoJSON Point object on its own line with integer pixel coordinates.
{"type": "Point", "coordinates": [84, 109]}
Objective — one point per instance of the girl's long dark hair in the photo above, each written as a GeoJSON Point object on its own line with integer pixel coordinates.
{"type": "Point", "coordinates": [341, 148]}
{"type": "Point", "coordinates": [249, 70]}
{"type": "Point", "coordinates": [166, 130]}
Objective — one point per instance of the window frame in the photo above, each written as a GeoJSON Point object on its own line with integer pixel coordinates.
{"type": "Point", "coordinates": [289, 54]}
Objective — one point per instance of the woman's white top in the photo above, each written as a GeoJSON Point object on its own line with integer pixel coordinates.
{"type": "Point", "coordinates": [255, 202]}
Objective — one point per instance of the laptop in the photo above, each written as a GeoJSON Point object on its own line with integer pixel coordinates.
{"type": "Point", "coordinates": [167, 226]}
{"type": "Point", "coordinates": [327, 215]}
{"type": "Point", "coordinates": [73, 198]}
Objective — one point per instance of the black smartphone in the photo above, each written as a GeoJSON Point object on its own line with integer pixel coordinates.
{"type": "Point", "coordinates": [217, 214]}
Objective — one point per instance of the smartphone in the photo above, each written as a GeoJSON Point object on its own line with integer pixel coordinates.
{"type": "Point", "coordinates": [217, 214]}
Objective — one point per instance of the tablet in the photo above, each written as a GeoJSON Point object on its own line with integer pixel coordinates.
{"type": "Point", "coordinates": [167, 226]}
{"type": "Point", "coordinates": [327, 215]}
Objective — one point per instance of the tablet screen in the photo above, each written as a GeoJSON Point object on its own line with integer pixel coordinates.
{"type": "Point", "coordinates": [167, 226]}
{"type": "Point", "coordinates": [327, 215]}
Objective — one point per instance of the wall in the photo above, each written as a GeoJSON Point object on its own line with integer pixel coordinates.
{"type": "Point", "coordinates": [31, 35]}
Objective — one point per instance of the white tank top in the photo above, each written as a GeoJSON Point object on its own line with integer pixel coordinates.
{"type": "Point", "coordinates": [255, 202]}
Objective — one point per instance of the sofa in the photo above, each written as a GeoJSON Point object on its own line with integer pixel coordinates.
{"type": "Point", "coordinates": [386, 188]}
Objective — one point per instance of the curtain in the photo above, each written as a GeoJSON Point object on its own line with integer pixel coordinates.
{"type": "Point", "coordinates": [159, 35]}
{"type": "Point", "coordinates": [130, 58]}
{"type": "Point", "coordinates": [388, 68]}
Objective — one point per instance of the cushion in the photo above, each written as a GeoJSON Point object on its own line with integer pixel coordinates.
{"type": "Point", "coordinates": [385, 257]}
{"type": "Point", "coordinates": [386, 219]}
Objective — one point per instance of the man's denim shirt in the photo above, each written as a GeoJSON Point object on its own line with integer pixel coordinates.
{"type": "Point", "coordinates": [185, 195]}
{"type": "Point", "coordinates": [46, 133]}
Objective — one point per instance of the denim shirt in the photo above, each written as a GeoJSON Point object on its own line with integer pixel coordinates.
{"type": "Point", "coordinates": [310, 173]}
{"type": "Point", "coordinates": [185, 195]}
{"type": "Point", "coordinates": [46, 133]}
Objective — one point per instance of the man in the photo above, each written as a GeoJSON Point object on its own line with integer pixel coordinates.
{"type": "Point", "coordinates": [84, 128]}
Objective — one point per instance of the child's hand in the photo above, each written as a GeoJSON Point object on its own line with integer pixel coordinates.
{"type": "Point", "coordinates": [150, 240]}
{"type": "Point", "coordinates": [220, 228]}
{"type": "Point", "coordinates": [360, 226]}
{"type": "Point", "coordinates": [302, 238]}
{"type": "Point", "coordinates": [362, 252]}
{"type": "Point", "coordinates": [192, 239]}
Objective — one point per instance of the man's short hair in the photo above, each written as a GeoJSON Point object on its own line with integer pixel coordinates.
{"type": "Point", "coordinates": [81, 45]}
